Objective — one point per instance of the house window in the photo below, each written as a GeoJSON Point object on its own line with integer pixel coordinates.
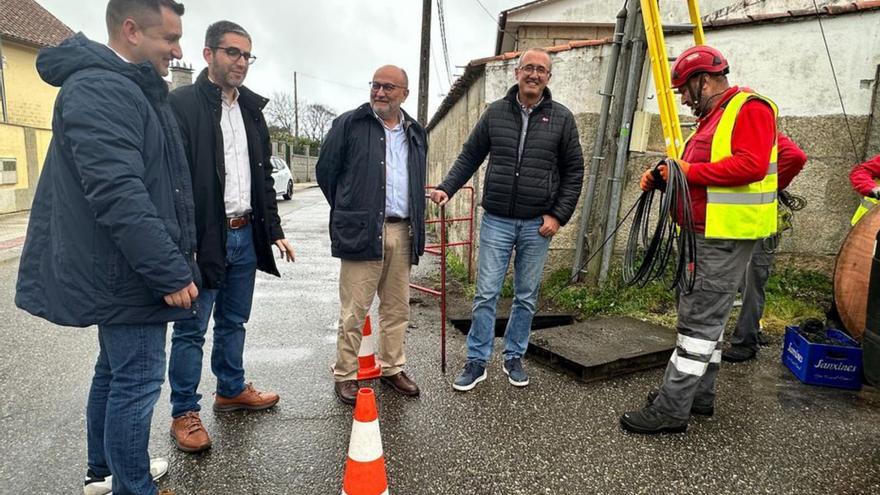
{"type": "Point", "coordinates": [8, 171]}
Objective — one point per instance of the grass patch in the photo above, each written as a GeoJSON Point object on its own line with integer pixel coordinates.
{"type": "Point", "coordinates": [456, 268]}
{"type": "Point", "coordinates": [792, 295]}
{"type": "Point", "coordinates": [654, 302]}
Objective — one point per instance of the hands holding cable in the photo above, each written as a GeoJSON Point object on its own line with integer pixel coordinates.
{"type": "Point", "coordinates": [652, 177]}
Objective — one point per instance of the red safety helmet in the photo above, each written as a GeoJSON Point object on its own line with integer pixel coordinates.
{"type": "Point", "coordinates": [696, 60]}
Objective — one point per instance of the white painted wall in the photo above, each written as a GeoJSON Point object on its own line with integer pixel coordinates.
{"type": "Point", "coordinates": [604, 11]}
{"type": "Point", "coordinates": [787, 62]}
{"type": "Point", "coordinates": [752, 7]}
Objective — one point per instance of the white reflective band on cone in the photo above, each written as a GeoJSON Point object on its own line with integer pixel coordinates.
{"type": "Point", "coordinates": [716, 357]}
{"type": "Point", "coordinates": [366, 442]}
{"type": "Point", "coordinates": [366, 346]}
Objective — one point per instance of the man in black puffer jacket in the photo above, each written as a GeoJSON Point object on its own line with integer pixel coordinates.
{"type": "Point", "coordinates": [531, 188]}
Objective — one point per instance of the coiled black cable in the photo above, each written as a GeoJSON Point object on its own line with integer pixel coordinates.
{"type": "Point", "coordinates": [788, 204]}
{"type": "Point", "coordinates": [792, 201]}
{"type": "Point", "coordinates": [648, 252]}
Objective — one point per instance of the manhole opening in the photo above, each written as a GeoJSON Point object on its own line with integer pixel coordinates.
{"type": "Point", "coordinates": [539, 322]}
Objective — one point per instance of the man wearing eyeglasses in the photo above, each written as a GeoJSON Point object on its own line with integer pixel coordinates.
{"type": "Point", "coordinates": [227, 147]}
{"type": "Point", "coordinates": [532, 185]}
{"type": "Point", "coordinates": [372, 172]}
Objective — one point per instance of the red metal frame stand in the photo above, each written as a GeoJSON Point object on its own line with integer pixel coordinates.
{"type": "Point", "coordinates": [440, 250]}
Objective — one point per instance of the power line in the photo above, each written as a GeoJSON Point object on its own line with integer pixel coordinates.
{"type": "Point", "coordinates": [495, 20]}
{"type": "Point", "coordinates": [345, 85]}
{"type": "Point", "coordinates": [441, 18]}
{"type": "Point", "coordinates": [436, 69]}
{"type": "Point", "coordinates": [836, 84]}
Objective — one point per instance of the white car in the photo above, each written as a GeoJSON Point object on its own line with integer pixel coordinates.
{"type": "Point", "coordinates": [283, 179]}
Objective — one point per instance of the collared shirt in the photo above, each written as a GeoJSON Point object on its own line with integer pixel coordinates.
{"type": "Point", "coordinates": [119, 55]}
{"type": "Point", "coordinates": [525, 112]}
{"type": "Point", "coordinates": [396, 170]}
{"type": "Point", "coordinates": [237, 197]}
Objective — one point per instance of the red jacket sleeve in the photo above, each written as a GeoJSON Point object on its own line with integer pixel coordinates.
{"type": "Point", "coordinates": [862, 176]}
{"type": "Point", "coordinates": [752, 141]}
{"type": "Point", "coordinates": [790, 158]}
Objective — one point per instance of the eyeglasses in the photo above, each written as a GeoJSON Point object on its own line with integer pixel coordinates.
{"type": "Point", "coordinates": [235, 54]}
{"type": "Point", "coordinates": [388, 87]}
{"type": "Point", "coordinates": [539, 69]}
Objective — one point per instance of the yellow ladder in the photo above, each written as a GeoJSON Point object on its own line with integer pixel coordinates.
{"type": "Point", "coordinates": [661, 71]}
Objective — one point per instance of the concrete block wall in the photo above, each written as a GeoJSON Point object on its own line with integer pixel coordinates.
{"type": "Point", "coordinates": [544, 36]}
{"type": "Point", "coordinates": [302, 168]}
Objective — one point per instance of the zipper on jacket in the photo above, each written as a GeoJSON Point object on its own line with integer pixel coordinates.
{"type": "Point", "coordinates": [523, 134]}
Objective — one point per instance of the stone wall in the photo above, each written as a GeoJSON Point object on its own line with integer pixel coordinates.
{"type": "Point", "coordinates": [544, 36]}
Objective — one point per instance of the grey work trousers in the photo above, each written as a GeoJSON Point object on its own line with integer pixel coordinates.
{"type": "Point", "coordinates": [749, 321]}
{"type": "Point", "coordinates": [702, 315]}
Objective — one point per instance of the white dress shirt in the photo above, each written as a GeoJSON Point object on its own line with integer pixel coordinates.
{"type": "Point", "coordinates": [396, 170]}
{"type": "Point", "coordinates": [237, 197]}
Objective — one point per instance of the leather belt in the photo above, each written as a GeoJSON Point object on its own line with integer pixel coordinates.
{"type": "Point", "coordinates": [237, 222]}
{"type": "Point", "coordinates": [396, 219]}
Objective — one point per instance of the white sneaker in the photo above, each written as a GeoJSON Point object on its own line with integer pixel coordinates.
{"type": "Point", "coordinates": [158, 469]}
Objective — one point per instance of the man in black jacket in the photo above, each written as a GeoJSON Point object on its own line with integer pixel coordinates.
{"type": "Point", "coordinates": [372, 172]}
{"type": "Point", "coordinates": [111, 237]}
{"type": "Point", "coordinates": [531, 188]}
{"type": "Point", "coordinates": [227, 147]}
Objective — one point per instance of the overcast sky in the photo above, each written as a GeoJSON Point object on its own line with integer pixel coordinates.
{"type": "Point", "coordinates": [333, 45]}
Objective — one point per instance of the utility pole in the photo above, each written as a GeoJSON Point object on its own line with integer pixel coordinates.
{"type": "Point", "coordinates": [295, 108]}
{"type": "Point", "coordinates": [423, 63]}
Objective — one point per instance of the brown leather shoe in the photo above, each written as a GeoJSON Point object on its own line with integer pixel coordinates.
{"type": "Point", "coordinates": [347, 391]}
{"type": "Point", "coordinates": [188, 434]}
{"type": "Point", "coordinates": [402, 384]}
{"type": "Point", "coordinates": [249, 399]}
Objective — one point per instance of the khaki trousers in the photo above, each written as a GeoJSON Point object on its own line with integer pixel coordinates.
{"type": "Point", "coordinates": [359, 283]}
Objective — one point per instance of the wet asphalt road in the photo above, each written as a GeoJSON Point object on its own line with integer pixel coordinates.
{"type": "Point", "coordinates": [770, 434]}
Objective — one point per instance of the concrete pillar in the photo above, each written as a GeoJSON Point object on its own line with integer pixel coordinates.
{"type": "Point", "coordinates": [872, 134]}
{"type": "Point", "coordinates": [181, 75]}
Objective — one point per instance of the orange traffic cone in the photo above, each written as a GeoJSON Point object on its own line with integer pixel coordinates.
{"type": "Point", "coordinates": [365, 466]}
{"type": "Point", "coordinates": [368, 369]}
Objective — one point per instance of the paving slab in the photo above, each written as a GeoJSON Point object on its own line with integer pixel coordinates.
{"type": "Point", "coordinates": [603, 348]}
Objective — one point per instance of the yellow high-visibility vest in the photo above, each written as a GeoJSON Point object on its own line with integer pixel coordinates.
{"type": "Point", "coordinates": [742, 212]}
{"type": "Point", "coordinates": [864, 207]}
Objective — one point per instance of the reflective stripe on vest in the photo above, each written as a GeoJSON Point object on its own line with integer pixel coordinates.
{"type": "Point", "coordinates": [742, 212]}
{"type": "Point", "coordinates": [864, 207]}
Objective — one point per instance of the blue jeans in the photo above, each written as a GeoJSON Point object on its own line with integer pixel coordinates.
{"type": "Point", "coordinates": [232, 308]}
{"type": "Point", "coordinates": [499, 237]}
{"type": "Point", "coordinates": [128, 378]}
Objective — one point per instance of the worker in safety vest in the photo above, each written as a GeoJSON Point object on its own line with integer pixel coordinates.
{"type": "Point", "coordinates": [863, 178]}
{"type": "Point", "coordinates": [745, 340]}
{"type": "Point", "coordinates": [730, 165]}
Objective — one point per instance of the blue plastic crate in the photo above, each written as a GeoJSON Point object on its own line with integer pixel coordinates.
{"type": "Point", "coordinates": [822, 364]}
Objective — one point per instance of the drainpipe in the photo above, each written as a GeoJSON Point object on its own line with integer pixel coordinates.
{"type": "Point", "coordinates": [637, 62]}
{"type": "Point", "coordinates": [3, 115]}
{"type": "Point", "coordinates": [599, 146]}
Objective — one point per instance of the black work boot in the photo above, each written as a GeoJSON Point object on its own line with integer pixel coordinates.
{"type": "Point", "coordinates": [738, 354]}
{"type": "Point", "coordinates": [698, 409]}
{"type": "Point", "coordinates": [650, 421]}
